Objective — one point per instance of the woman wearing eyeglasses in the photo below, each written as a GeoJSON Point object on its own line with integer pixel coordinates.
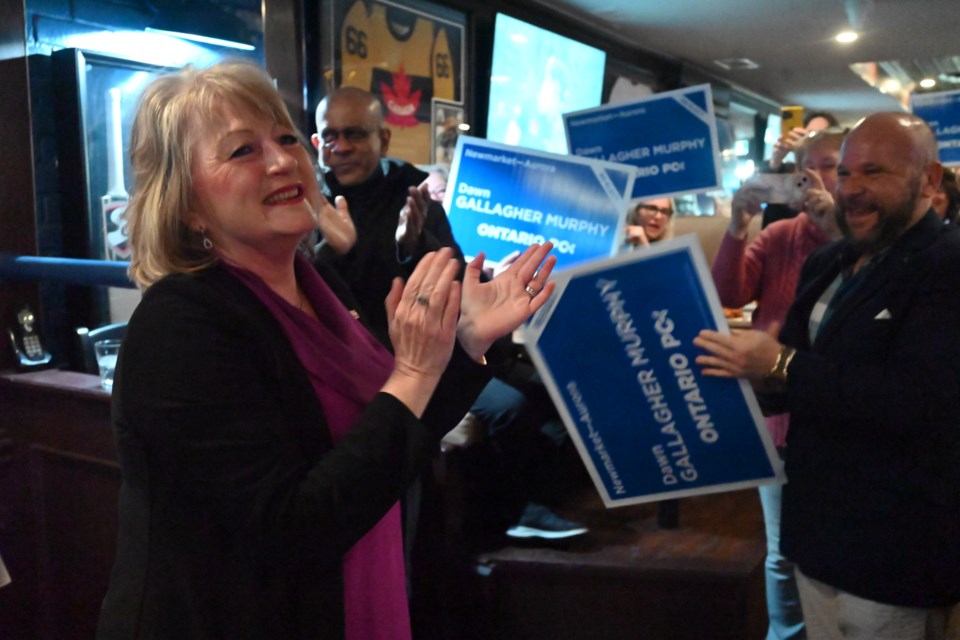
{"type": "Point", "coordinates": [650, 221]}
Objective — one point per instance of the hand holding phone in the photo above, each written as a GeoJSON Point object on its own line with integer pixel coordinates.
{"type": "Point", "coordinates": [780, 188]}
{"type": "Point", "coordinates": [790, 118]}
{"type": "Point", "coordinates": [792, 133]}
{"type": "Point", "coordinates": [820, 204]}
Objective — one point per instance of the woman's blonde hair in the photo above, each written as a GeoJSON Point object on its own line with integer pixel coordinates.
{"type": "Point", "coordinates": [831, 137]}
{"type": "Point", "coordinates": [172, 111]}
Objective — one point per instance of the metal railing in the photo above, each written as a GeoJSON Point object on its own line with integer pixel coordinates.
{"type": "Point", "coordinates": [69, 270]}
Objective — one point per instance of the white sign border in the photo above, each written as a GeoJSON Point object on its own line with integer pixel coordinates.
{"type": "Point", "coordinates": [928, 99]}
{"type": "Point", "coordinates": [532, 331]}
{"type": "Point", "coordinates": [628, 170]}
{"type": "Point", "coordinates": [675, 93]}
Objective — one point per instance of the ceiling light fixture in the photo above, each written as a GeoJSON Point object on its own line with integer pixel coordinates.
{"type": "Point", "coordinates": [203, 22]}
{"type": "Point", "coordinates": [890, 85]}
{"type": "Point", "coordinates": [928, 83]}
{"type": "Point", "coordinates": [846, 37]}
{"type": "Point", "coordinates": [736, 64]}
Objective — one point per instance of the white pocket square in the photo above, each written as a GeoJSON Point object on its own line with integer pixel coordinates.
{"type": "Point", "coordinates": [883, 315]}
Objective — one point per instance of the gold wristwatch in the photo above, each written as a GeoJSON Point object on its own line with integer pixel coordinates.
{"type": "Point", "coordinates": [776, 379]}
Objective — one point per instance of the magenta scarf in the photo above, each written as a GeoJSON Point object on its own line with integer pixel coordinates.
{"type": "Point", "coordinates": [347, 367]}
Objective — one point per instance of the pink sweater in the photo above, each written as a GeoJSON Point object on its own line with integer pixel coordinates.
{"type": "Point", "coordinates": [766, 271]}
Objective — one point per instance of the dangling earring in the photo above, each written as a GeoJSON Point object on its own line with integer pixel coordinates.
{"type": "Point", "coordinates": [207, 242]}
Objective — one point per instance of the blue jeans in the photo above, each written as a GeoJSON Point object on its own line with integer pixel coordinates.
{"type": "Point", "coordinates": [525, 437]}
{"type": "Point", "coordinates": [783, 599]}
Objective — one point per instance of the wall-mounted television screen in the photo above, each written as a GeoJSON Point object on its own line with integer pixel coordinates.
{"type": "Point", "coordinates": [537, 76]}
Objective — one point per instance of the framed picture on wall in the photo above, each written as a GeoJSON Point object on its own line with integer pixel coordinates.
{"type": "Point", "coordinates": [406, 53]}
{"type": "Point", "coordinates": [447, 118]}
{"type": "Point", "coordinates": [96, 98]}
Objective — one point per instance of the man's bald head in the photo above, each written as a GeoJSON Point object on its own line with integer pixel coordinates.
{"type": "Point", "coordinates": [352, 98]}
{"type": "Point", "coordinates": [903, 129]}
{"type": "Point", "coordinates": [889, 172]}
{"type": "Point", "coordinates": [351, 134]}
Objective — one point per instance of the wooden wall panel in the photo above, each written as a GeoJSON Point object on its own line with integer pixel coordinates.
{"type": "Point", "coordinates": [58, 504]}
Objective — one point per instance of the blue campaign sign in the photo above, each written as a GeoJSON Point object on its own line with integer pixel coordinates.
{"type": "Point", "coordinates": [500, 199]}
{"type": "Point", "coordinates": [614, 346]}
{"type": "Point", "coordinates": [942, 113]}
{"type": "Point", "coordinates": [671, 139]}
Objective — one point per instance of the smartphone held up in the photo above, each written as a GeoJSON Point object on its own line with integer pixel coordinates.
{"type": "Point", "coordinates": [780, 188]}
{"type": "Point", "coordinates": [791, 117]}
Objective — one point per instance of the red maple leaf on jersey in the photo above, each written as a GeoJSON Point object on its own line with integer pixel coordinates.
{"type": "Point", "coordinates": [401, 104]}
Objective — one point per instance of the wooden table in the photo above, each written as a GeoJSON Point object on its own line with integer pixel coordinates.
{"type": "Point", "coordinates": [58, 503]}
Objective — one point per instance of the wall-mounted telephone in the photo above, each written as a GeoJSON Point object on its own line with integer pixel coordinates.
{"type": "Point", "coordinates": [25, 340]}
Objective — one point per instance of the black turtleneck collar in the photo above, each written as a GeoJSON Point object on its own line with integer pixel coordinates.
{"type": "Point", "coordinates": [358, 194]}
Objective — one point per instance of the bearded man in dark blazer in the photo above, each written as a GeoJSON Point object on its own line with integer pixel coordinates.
{"type": "Point", "coordinates": [868, 364]}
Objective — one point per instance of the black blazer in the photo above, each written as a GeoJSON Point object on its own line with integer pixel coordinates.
{"type": "Point", "coordinates": [872, 502]}
{"type": "Point", "coordinates": [235, 508]}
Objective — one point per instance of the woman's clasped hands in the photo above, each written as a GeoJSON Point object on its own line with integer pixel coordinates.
{"type": "Point", "coordinates": [433, 310]}
{"type": "Point", "coordinates": [422, 315]}
{"type": "Point", "coordinates": [493, 309]}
